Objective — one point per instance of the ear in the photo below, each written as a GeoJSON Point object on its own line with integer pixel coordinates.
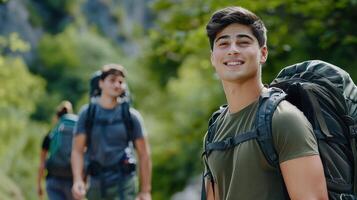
{"type": "Point", "coordinates": [100, 83]}
{"type": "Point", "coordinates": [263, 54]}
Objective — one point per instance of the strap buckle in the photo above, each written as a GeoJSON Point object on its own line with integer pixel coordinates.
{"type": "Point", "coordinates": [347, 197]}
{"type": "Point", "coordinates": [353, 131]}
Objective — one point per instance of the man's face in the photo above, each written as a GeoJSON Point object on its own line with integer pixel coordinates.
{"type": "Point", "coordinates": [236, 54]}
{"type": "Point", "coordinates": [112, 85]}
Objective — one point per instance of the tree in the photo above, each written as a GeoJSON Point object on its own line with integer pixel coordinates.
{"type": "Point", "coordinates": [19, 145]}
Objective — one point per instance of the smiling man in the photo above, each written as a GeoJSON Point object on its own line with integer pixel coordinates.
{"type": "Point", "coordinates": [105, 133]}
{"type": "Point", "coordinates": [238, 50]}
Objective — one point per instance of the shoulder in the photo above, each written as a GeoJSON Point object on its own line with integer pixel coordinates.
{"type": "Point", "coordinates": [84, 109]}
{"type": "Point", "coordinates": [83, 113]}
{"type": "Point", "coordinates": [288, 113]}
{"type": "Point", "coordinates": [292, 133]}
{"type": "Point", "coordinates": [218, 114]}
{"type": "Point", "coordinates": [135, 114]}
{"type": "Point", "coordinates": [134, 111]}
{"type": "Point", "coordinates": [287, 118]}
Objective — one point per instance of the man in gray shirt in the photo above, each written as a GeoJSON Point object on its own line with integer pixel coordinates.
{"type": "Point", "coordinates": [110, 170]}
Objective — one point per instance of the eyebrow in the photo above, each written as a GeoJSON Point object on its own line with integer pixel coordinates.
{"type": "Point", "coordinates": [237, 36]}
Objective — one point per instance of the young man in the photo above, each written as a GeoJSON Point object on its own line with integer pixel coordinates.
{"type": "Point", "coordinates": [58, 180]}
{"type": "Point", "coordinates": [108, 144]}
{"type": "Point", "coordinates": [238, 50]}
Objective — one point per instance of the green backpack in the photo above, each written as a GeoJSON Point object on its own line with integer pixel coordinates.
{"type": "Point", "coordinates": [58, 163]}
{"type": "Point", "coordinates": [328, 98]}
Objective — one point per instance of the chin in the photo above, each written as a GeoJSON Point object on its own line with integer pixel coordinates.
{"type": "Point", "coordinates": [114, 95]}
{"type": "Point", "coordinates": [231, 76]}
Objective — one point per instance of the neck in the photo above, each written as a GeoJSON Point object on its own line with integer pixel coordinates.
{"type": "Point", "coordinates": [107, 102]}
{"type": "Point", "coordinates": [240, 95]}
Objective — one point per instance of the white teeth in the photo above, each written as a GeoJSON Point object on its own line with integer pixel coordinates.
{"type": "Point", "coordinates": [234, 63]}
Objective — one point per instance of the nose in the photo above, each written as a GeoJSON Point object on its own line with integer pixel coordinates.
{"type": "Point", "coordinates": [233, 49]}
{"type": "Point", "coordinates": [117, 84]}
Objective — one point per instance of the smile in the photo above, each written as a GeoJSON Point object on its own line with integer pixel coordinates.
{"type": "Point", "coordinates": [233, 63]}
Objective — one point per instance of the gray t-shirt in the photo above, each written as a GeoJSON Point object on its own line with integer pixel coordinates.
{"type": "Point", "coordinates": [109, 137]}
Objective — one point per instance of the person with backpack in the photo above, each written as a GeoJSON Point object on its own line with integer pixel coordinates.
{"type": "Point", "coordinates": [102, 147]}
{"type": "Point", "coordinates": [236, 167]}
{"type": "Point", "coordinates": [56, 154]}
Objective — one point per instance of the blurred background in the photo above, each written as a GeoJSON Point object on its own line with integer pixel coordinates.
{"type": "Point", "coordinates": [50, 48]}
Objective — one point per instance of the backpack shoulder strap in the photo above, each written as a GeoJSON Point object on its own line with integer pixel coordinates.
{"type": "Point", "coordinates": [55, 139]}
{"type": "Point", "coordinates": [128, 121]}
{"type": "Point", "coordinates": [269, 101]}
{"type": "Point", "coordinates": [210, 134]}
{"type": "Point", "coordinates": [89, 122]}
{"type": "Point", "coordinates": [212, 128]}
{"type": "Point", "coordinates": [267, 105]}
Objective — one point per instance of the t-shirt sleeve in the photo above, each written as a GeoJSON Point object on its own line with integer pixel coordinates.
{"type": "Point", "coordinates": [80, 127]}
{"type": "Point", "coordinates": [46, 142]}
{"type": "Point", "coordinates": [292, 133]}
{"type": "Point", "coordinates": [138, 124]}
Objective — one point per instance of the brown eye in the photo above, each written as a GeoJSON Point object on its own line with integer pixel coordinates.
{"type": "Point", "coordinates": [243, 43]}
{"type": "Point", "coordinates": [223, 44]}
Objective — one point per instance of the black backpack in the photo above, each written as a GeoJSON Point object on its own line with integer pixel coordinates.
{"type": "Point", "coordinates": [58, 163]}
{"type": "Point", "coordinates": [328, 98]}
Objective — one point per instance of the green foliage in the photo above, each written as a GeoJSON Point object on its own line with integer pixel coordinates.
{"type": "Point", "coordinates": [9, 189]}
{"type": "Point", "coordinates": [179, 21]}
{"type": "Point", "coordinates": [53, 15]}
{"type": "Point", "coordinates": [67, 66]}
{"type": "Point", "coordinates": [18, 95]}
{"type": "Point", "coordinates": [14, 71]}
{"type": "Point", "coordinates": [315, 31]}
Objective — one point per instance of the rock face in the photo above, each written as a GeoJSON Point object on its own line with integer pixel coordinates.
{"type": "Point", "coordinates": [14, 17]}
{"type": "Point", "coordinates": [114, 19]}
{"type": "Point", "coordinates": [117, 19]}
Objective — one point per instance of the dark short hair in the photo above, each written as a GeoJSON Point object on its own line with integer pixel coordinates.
{"type": "Point", "coordinates": [112, 69]}
{"type": "Point", "coordinates": [230, 15]}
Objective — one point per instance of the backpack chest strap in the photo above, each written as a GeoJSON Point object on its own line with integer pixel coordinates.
{"type": "Point", "coordinates": [107, 122]}
{"type": "Point", "coordinates": [231, 142]}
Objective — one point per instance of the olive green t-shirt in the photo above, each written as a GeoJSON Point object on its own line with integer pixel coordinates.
{"type": "Point", "coordinates": [242, 172]}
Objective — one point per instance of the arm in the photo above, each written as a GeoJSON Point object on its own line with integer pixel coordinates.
{"type": "Point", "coordinates": [77, 161]}
{"type": "Point", "coordinates": [143, 151]}
{"type": "Point", "coordinates": [304, 178]}
{"type": "Point", "coordinates": [209, 190]}
{"type": "Point", "coordinates": [297, 148]}
{"type": "Point", "coordinates": [41, 172]}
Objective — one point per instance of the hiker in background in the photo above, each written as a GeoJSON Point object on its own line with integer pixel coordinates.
{"type": "Point", "coordinates": [104, 132]}
{"type": "Point", "coordinates": [55, 155]}
{"type": "Point", "coordinates": [238, 51]}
